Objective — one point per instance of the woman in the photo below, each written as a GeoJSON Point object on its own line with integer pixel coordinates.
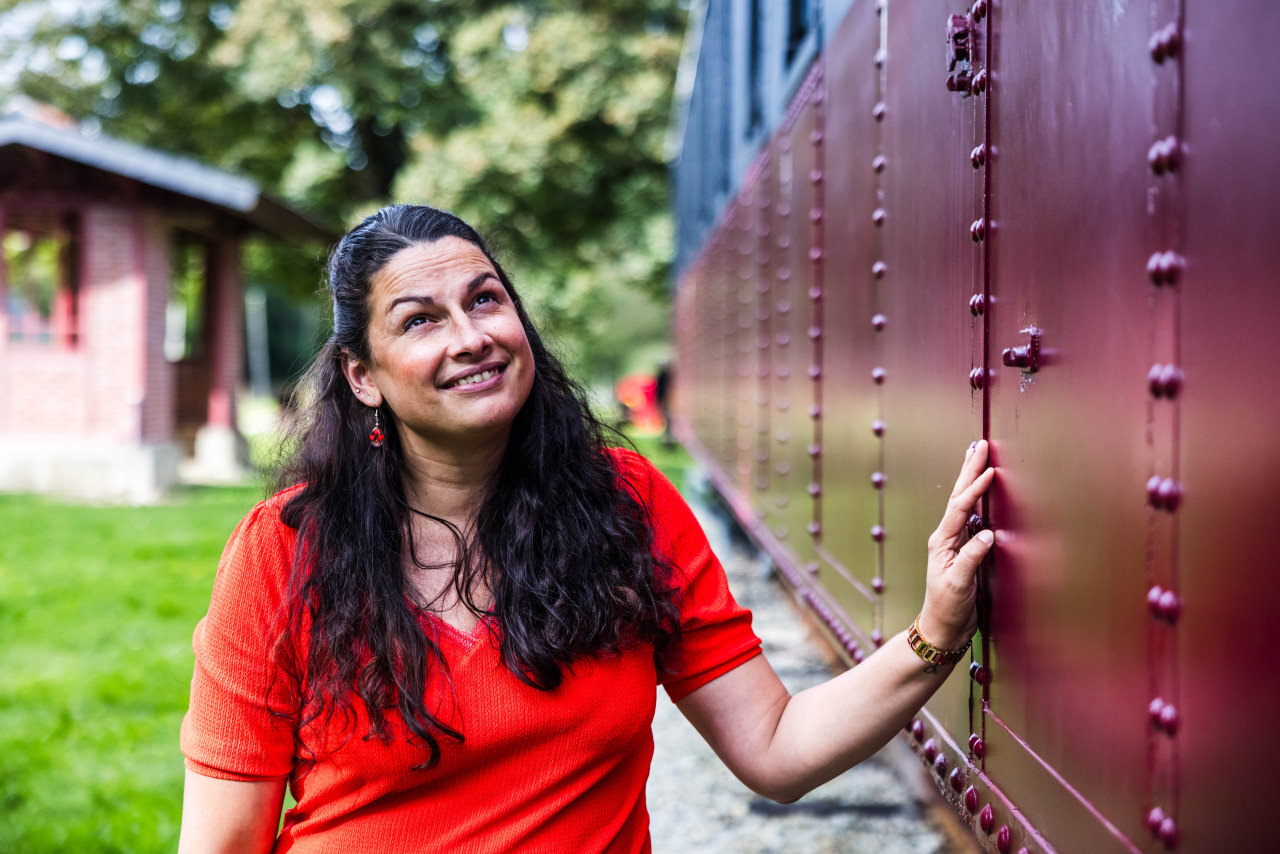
{"type": "Point", "coordinates": [446, 635]}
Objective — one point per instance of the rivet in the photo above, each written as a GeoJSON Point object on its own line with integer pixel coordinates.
{"type": "Point", "coordinates": [877, 479]}
{"type": "Point", "coordinates": [815, 137]}
{"type": "Point", "coordinates": [783, 306]}
{"type": "Point", "coordinates": [814, 529]}
{"type": "Point", "coordinates": [815, 292]}
{"type": "Point", "coordinates": [987, 819]}
{"type": "Point", "coordinates": [978, 230]}
{"type": "Point", "coordinates": [1153, 820]}
{"type": "Point", "coordinates": [877, 427]}
{"type": "Point", "coordinates": [879, 7]}
{"type": "Point", "coordinates": [858, 655]}
{"type": "Point", "coordinates": [1170, 381]}
{"type": "Point", "coordinates": [1164, 155]}
{"type": "Point", "coordinates": [815, 253]}
{"type": "Point", "coordinates": [877, 375]}
{"type": "Point", "coordinates": [815, 372]}
{"type": "Point", "coordinates": [957, 779]}
{"type": "Point", "coordinates": [974, 524]}
{"type": "Point", "coordinates": [979, 10]}
{"type": "Point", "coordinates": [783, 339]}
{"type": "Point", "coordinates": [1153, 490]}
{"type": "Point", "coordinates": [815, 411]}
{"type": "Point", "coordinates": [878, 163]}
{"type": "Point", "coordinates": [877, 636]}
{"type": "Point", "coordinates": [815, 176]}
{"type": "Point", "coordinates": [783, 209]}
{"type": "Point", "coordinates": [1154, 708]}
{"type": "Point", "coordinates": [878, 322]}
{"type": "Point", "coordinates": [930, 749]}
{"type": "Point", "coordinates": [877, 217]}
{"type": "Point", "coordinates": [1168, 832]}
{"type": "Point", "coordinates": [877, 533]}
{"type": "Point", "coordinates": [978, 305]}
{"type": "Point", "coordinates": [978, 157]}
{"type": "Point", "coordinates": [1153, 599]}
{"type": "Point", "coordinates": [880, 58]}
{"type": "Point", "coordinates": [812, 567]}
{"type": "Point", "coordinates": [977, 378]}
{"type": "Point", "coordinates": [1169, 266]}
{"type": "Point", "coordinates": [917, 729]}
{"type": "Point", "coordinates": [1169, 719]}
{"type": "Point", "coordinates": [940, 765]}
{"type": "Point", "coordinates": [979, 673]}
{"type": "Point", "coordinates": [877, 584]}
{"type": "Point", "coordinates": [1169, 494]}
{"type": "Point", "coordinates": [980, 81]}
{"type": "Point", "coordinates": [815, 332]}
{"type": "Point", "coordinates": [977, 745]}
{"type": "Point", "coordinates": [1170, 606]}
{"type": "Point", "coordinates": [815, 215]}
{"type": "Point", "coordinates": [815, 489]}
{"type": "Point", "coordinates": [1004, 839]}
{"type": "Point", "coordinates": [783, 372]}
{"type": "Point", "coordinates": [971, 799]}
{"type": "Point", "coordinates": [1165, 43]}
{"type": "Point", "coordinates": [878, 269]}
{"type": "Point", "coordinates": [878, 111]}
{"type": "Point", "coordinates": [815, 450]}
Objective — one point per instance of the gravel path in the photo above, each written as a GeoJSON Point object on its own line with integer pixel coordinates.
{"type": "Point", "coordinates": [697, 806]}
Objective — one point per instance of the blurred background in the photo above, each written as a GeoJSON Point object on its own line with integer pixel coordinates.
{"type": "Point", "coordinates": [172, 175]}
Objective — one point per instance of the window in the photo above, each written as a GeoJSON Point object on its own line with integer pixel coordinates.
{"type": "Point", "coordinates": [755, 93]}
{"type": "Point", "coordinates": [184, 317]}
{"type": "Point", "coordinates": [797, 27]}
{"type": "Point", "coordinates": [41, 262]}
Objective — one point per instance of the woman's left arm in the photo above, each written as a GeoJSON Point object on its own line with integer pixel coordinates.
{"type": "Point", "coordinates": [783, 746]}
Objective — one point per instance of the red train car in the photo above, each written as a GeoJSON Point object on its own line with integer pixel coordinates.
{"type": "Point", "coordinates": [1055, 225]}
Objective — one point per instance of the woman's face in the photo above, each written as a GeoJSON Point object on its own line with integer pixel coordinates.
{"type": "Point", "coordinates": [447, 351]}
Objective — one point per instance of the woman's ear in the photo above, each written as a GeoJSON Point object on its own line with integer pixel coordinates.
{"type": "Point", "coordinates": [361, 380]}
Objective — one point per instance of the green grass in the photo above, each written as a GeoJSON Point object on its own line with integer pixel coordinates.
{"type": "Point", "coordinates": [97, 606]}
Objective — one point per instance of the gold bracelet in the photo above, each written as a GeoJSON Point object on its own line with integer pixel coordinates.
{"type": "Point", "coordinates": [928, 652]}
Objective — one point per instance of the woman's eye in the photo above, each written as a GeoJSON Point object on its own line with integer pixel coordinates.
{"type": "Point", "coordinates": [416, 320]}
{"type": "Point", "coordinates": [486, 298]}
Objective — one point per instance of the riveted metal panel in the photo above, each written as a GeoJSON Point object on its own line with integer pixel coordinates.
{"type": "Point", "coordinates": [1092, 190]}
{"type": "Point", "coordinates": [931, 342]}
{"type": "Point", "coordinates": [1229, 449]}
{"type": "Point", "coordinates": [1067, 237]}
{"type": "Point", "coordinates": [848, 560]}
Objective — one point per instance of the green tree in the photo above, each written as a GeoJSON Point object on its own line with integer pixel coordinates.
{"type": "Point", "coordinates": [541, 121]}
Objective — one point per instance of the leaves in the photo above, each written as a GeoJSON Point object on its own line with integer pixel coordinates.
{"type": "Point", "coordinates": [540, 121]}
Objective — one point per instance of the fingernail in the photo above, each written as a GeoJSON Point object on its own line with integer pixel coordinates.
{"type": "Point", "coordinates": [986, 536]}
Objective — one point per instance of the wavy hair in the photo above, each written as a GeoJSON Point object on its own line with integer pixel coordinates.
{"type": "Point", "coordinates": [564, 543]}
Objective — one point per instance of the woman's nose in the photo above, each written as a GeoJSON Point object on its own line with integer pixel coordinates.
{"type": "Point", "coordinates": [468, 337]}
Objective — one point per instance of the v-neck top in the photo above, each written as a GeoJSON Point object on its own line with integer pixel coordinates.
{"type": "Point", "coordinates": [539, 771]}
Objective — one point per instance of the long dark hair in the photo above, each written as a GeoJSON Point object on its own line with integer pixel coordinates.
{"type": "Point", "coordinates": [564, 542]}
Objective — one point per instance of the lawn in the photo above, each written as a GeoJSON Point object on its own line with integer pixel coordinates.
{"type": "Point", "coordinates": [97, 606]}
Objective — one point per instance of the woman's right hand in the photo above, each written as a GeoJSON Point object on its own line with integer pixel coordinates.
{"type": "Point", "coordinates": [949, 616]}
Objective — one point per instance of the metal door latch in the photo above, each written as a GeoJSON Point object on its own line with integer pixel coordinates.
{"type": "Point", "coordinates": [960, 54]}
{"type": "Point", "coordinates": [1027, 358]}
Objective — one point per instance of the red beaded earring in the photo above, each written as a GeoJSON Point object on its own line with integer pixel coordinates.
{"type": "Point", "coordinates": [376, 436]}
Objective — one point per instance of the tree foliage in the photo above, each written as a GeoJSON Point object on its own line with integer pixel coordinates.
{"type": "Point", "coordinates": [541, 121]}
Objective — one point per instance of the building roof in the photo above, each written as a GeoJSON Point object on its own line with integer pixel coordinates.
{"type": "Point", "coordinates": [235, 194]}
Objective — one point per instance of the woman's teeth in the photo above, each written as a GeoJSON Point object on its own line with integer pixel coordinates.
{"type": "Point", "coordinates": [477, 378]}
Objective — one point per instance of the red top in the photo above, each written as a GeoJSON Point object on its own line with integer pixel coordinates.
{"type": "Point", "coordinates": [539, 771]}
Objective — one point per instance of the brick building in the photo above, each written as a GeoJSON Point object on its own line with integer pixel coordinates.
{"type": "Point", "coordinates": [121, 311]}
